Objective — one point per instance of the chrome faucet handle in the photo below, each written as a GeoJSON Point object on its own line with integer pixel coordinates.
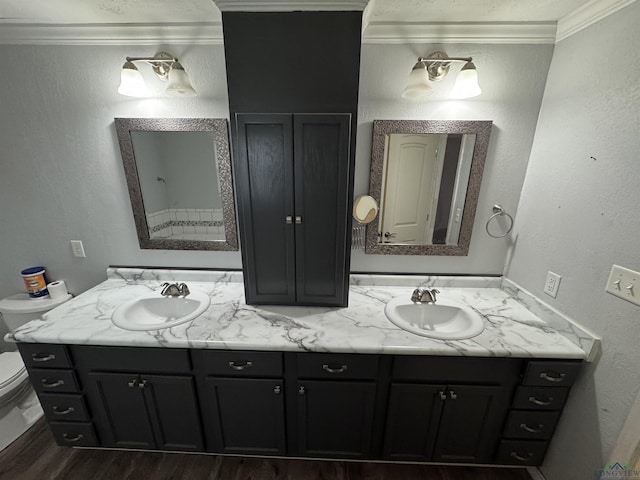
{"type": "Point", "coordinates": [416, 296]}
{"type": "Point", "coordinates": [184, 290]}
{"type": "Point", "coordinates": [432, 294]}
{"type": "Point", "coordinates": [170, 290]}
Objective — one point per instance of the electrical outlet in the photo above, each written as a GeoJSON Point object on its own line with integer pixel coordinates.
{"type": "Point", "coordinates": [78, 249]}
{"type": "Point", "coordinates": [552, 284]}
{"type": "Point", "coordinates": [624, 283]}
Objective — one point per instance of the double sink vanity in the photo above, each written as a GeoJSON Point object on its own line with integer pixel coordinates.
{"type": "Point", "coordinates": [322, 382]}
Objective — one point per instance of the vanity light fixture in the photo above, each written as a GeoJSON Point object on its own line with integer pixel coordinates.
{"type": "Point", "coordinates": [165, 66]}
{"type": "Point", "coordinates": [434, 68]}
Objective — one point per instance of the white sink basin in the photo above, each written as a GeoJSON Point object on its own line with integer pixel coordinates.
{"type": "Point", "coordinates": [155, 312]}
{"type": "Point", "coordinates": [444, 320]}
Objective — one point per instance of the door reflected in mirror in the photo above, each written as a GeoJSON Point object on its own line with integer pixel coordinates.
{"type": "Point", "coordinates": [425, 175]}
{"type": "Point", "coordinates": [425, 182]}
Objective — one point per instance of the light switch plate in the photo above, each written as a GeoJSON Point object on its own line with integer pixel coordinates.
{"type": "Point", "coordinates": [77, 248]}
{"type": "Point", "coordinates": [624, 283]}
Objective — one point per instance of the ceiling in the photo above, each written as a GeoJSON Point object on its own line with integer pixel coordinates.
{"type": "Point", "coordinates": [197, 11]}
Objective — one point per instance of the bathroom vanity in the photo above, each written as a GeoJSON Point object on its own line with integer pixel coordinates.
{"type": "Point", "coordinates": [302, 381]}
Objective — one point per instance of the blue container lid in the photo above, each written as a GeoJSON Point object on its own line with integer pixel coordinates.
{"type": "Point", "coordinates": [32, 270]}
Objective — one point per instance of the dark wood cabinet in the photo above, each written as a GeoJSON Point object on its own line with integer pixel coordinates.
{"type": "Point", "coordinates": [292, 180]}
{"type": "Point", "coordinates": [145, 411]}
{"type": "Point", "coordinates": [247, 415]}
{"type": "Point", "coordinates": [335, 418]}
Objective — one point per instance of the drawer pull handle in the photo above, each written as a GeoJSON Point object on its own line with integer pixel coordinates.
{"type": "Point", "coordinates": [42, 357]}
{"type": "Point", "coordinates": [240, 366]}
{"type": "Point", "coordinates": [443, 396]}
{"type": "Point", "coordinates": [57, 410]}
{"type": "Point", "coordinates": [47, 384]}
{"type": "Point", "coordinates": [72, 439]}
{"type": "Point", "coordinates": [542, 403]}
{"type": "Point", "coordinates": [536, 429]}
{"type": "Point", "coordinates": [453, 395]}
{"type": "Point", "coordinates": [340, 369]}
{"type": "Point", "coordinates": [520, 458]}
{"type": "Point", "coordinates": [558, 377]}
{"type": "Point", "coordinates": [277, 389]}
{"type": "Point", "coordinates": [302, 391]}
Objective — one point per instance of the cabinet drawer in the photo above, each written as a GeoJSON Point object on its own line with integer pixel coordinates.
{"type": "Point", "coordinates": [521, 452]}
{"type": "Point", "coordinates": [131, 359]}
{"type": "Point", "coordinates": [337, 366]}
{"type": "Point", "coordinates": [44, 355]}
{"type": "Point", "coordinates": [238, 363]}
{"type": "Point", "coordinates": [540, 398]}
{"type": "Point", "coordinates": [64, 407]}
{"type": "Point", "coordinates": [74, 434]}
{"type": "Point", "coordinates": [487, 371]}
{"type": "Point", "coordinates": [531, 424]}
{"type": "Point", "coordinates": [549, 374]}
{"type": "Point", "coordinates": [54, 380]}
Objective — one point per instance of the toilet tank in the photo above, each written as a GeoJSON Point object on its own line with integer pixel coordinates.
{"type": "Point", "coordinates": [19, 309]}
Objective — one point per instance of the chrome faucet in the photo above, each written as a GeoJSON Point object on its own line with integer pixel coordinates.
{"type": "Point", "coordinates": [174, 290]}
{"type": "Point", "coordinates": [427, 295]}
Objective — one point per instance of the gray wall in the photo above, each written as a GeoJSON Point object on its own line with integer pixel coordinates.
{"type": "Point", "coordinates": [512, 78]}
{"type": "Point", "coordinates": [61, 175]}
{"type": "Point", "coordinates": [578, 216]}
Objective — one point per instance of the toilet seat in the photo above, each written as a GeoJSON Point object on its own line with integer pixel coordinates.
{"type": "Point", "coordinates": [12, 374]}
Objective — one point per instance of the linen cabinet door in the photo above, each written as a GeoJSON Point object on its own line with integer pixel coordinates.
{"type": "Point", "coordinates": [173, 406]}
{"type": "Point", "coordinates": [248, 415]}
{"type": "Point", "coordinates": [264, 182]}
{"type": "Point", "coordinates": [471, 423]}
{"type": "Point", "coordinates": [322, 217]}
{"type": "Point", "coordinates": [120, 411]}
{"type": "Point", "coordinates": [335, 419]}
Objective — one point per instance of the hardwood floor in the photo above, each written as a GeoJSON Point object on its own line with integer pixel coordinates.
{"type": "Point", "coordinates": [35, 456]}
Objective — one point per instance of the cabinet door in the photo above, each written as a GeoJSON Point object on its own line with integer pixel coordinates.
{"type": "Point", "coordinates": [335, 419]}
{"type": "Point", "coordinates": [119, 409]}
{"type": "Point", "coordinates": [412, 421]}
{"type": "Point", "coordinates": [248, 415]}
{"type": "Point", "coordinates": [174, 410]}
{"type": "Point", "coordinates": [321, 155]}
{"type": "Point", "coordinates": [472, 420]}
{"type": "Point", "coordinates": [264, 183]}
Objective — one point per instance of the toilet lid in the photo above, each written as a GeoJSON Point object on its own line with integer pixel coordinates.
{"type": "Point", "coordinates": [11, 369]}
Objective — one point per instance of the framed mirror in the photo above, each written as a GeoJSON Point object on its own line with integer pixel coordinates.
{"type": "Point", "coordinates": [425, 176]}
{"type": "Point", "coordinates": [178, 172]}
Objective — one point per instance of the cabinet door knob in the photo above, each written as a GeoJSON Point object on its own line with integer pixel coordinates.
{"type": "Point", "coordinates": [298, 219]}
{"type": "Point", "coordinates": [47, 384]}
{"type": "Point", "coordinates": [452, 395]}
{"type": "Point", "coordinates": [537, 429]}
{"type": "Point", "coordinates": [443, 396]}
{"type": "Point", "coordinates": [552, 377]}
{"type": "Point", "coordinates": [133, 383]}
{"type": "Point", "coordinates": [57, 411]}
{"type": "Point", "coordinates": [288, 219]}
{"type": "Point", "coordinates": [542, 403]}
{"type": "Point", "coordinates": [330, 369]}
{"type": "Point", "coordinates": [43, 357]}
{"type": "Point", "coordinates": [302, 391]}
{"type": "Point", "coordinates": [143, 384]}
{"type": "Point", "coordinates": [277, 389]}
{"type": "Point", "coordinates": [240, 366]}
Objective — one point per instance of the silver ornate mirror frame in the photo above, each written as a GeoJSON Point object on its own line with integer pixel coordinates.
{"type": "Point", "coordinates": [382, 128]}
{"type": "Point", "coordinates": [124, 127]}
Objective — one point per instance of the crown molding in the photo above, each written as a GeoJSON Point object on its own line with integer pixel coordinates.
{"type": "Point", "coordinates": [290, 5]}
{"type": "Point", "coordinates": [205, 33]}
{"type": "Point", "coordinates": [501, 33]}
{"type": "Point", "coordinates": [588, 14]}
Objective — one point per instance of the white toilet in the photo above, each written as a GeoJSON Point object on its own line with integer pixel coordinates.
{"type": "Point", "coordinates": [19, 406]}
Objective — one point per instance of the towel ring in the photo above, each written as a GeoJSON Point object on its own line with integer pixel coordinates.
{"type": "Point", "coordinates": [497, 212]}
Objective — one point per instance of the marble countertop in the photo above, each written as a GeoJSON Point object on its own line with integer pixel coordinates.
{"type": "Point", "coordinates": [511, 329]}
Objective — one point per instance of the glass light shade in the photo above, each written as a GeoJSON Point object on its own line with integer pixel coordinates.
{"type": "Point", "coordinates": [179, 83]}
{"type": "Point", "coordinates": [466, 85]}
{"type": "Point", "coordinates": [131, 82]}
{"type": "Point", "coordinates": [417, 84]}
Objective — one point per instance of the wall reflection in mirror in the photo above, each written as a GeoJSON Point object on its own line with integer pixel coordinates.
{"type": "Point", "coordinates": [178, 173]}
{"type": "Point", "coordinates": [426, 176]}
